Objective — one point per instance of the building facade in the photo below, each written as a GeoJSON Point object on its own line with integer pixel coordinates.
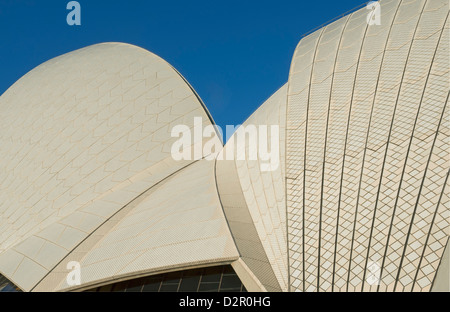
{"type": "Point", "coordinates": [358, 202]}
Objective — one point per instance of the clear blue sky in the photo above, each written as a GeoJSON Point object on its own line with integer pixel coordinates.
{"type": "Point", "coordinates": [234, 53]}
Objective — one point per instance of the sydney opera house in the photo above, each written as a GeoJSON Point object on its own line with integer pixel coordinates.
{"type": "Point", "coordinates": [359, 201]}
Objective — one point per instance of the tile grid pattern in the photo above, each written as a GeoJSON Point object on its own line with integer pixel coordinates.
{"type": "Point", "coordinates": [241, 224]}
{"type": "Point", "coordinates": [369, 212]}
{"type": "Point", "coordinates": [259, 196]}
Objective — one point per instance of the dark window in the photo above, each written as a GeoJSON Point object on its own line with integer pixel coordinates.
{"type": "Point", "coordinates": [189, 283]}
{"type": "Point", "coordinates": [230, 282]}
{"type": "Point", "coordinates": [169, 288]}
{"type": "Point", "coordinates": [152, 283]}
{"type": "Point", "coordinates": [7, 286]}
{"type": "Point", "coordinates": [209, 287]}
{"type": "Point", "coordinates": [134, 286]}
{"type": "Point", "coordinates": [106, 288]}
{"type": "Point", "coordinates": [122, 286]}
{"type": "Point", "coordinates": [212, 275]}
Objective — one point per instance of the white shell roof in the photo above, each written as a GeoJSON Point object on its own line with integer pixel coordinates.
{"type": "Point", "coordinates": [367, 151]}
{"type": "Point", "coordinates": [261, 197]}
{"type": "Point", "coordinates": [178, 223]}
{"type": "Point", "coordinates": [82, 136]}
